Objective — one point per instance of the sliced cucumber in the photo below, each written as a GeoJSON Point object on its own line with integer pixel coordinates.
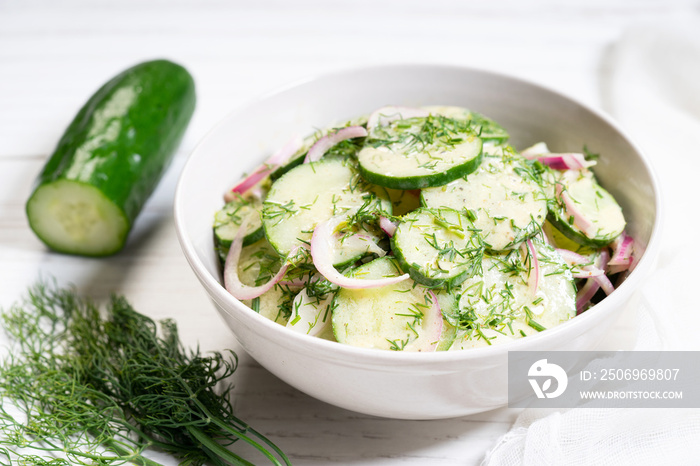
{"type": "Point", "coordinates": [419, 152]}
{"type": "Point", "coordinates": [313, 193]}
{"type": "Point", "coordinates": [229, 218]}
{"type": "Point", "coordinates": [258, 263]}
{"type": "Point", "coordinates": [558, 240]}
{"type": "Point", "coordinates": [346, 149]}
{"type": "Point", "coordinates": [351, 246]}
{"type": "Point", "coordinates": [447, 338]}
{"type": "Point", "coordinates": [275, 305]}
{"type": "Point", "coordinates": [77, 218]}
{"type": "Point", "coordinates": [506, 203]}
{"type": "Point", "coordinates": [594, 203]}
{"type": "Point", "coordinates": [298, 157]}
{"type": "Point", "coordinates": [398, 317]}
{"type": "Point", "coordinates": [438, 246]}
{"type": "Point", "coordinates": [485, 128]}
{"type": "Point", "coordinates": [296, 160]}
{"type": "Point", "coordinates": [449, 302]}
{"type": "Point", "coordinates": [503, 300]}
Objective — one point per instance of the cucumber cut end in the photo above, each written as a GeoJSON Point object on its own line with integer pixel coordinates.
{"type": "Point", "coordinates": [76, 218]}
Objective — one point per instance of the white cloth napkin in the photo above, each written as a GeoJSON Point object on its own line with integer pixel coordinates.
{"type": "Point", "coordinates": [651, 85]}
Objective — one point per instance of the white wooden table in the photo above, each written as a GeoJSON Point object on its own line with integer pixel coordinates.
{"type": "Point", "coordinates": [54, 54]}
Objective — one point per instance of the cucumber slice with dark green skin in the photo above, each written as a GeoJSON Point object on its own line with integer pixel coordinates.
{"type": "Point", "coordinates": [501, 304]}
{"type": "Point", "coordinates": [420, 152]}
{"type": "Point", "coordinates": [258, 263]}
{"type": "Point", "coordinates": [447, 339]}
{"type": "Point", "coordinates": [438, 247]}
{"type": "Point", "coordinates": [557, 239]}
{"type": "Point", "coordinates": [507, 204]}
{"type": "Point", "coordinates": [594, 203]}
{"type": "Point", "coordinates": [229, 219]}
{"type": "Point", "coordinates": [398, 317]}
{"type": "Point", "coordinates": [295, 161]}
{"type": "Point", "coordinates": [110, 159]}
{"type": "Point", "coordinates": [449, 303]}
{"type": "Point", "coordinates": [489, 130]}
{"type": "Point", "coordinates": [312, 193]}
{"type": "Point", "coordinates": [347, 148]}
{"type": "Point", "coordinates": [356, 244]}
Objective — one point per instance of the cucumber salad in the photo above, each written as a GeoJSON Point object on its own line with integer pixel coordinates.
{"type": "Point", "coordinates": [421, 229]}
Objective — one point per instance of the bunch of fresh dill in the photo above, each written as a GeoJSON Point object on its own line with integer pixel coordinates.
{"type": "Point", "coordinates": [81, 386]}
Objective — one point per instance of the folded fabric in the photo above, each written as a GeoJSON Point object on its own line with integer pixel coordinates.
{"type": "Point", "coordinates": [608, 436]}
{"type": "Point", "coordinates": [651, 85]}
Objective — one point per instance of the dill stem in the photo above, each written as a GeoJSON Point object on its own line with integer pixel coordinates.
{"type": "Point", "coordinates": [218, 450]}
{"type": "Point", "coordinates": [130, 456]}
{"type": "Point", "coordinates": [240, 435]}
{"type": "Point", "coordinates": [255, 444]}
{"type": "Point", "coordinates": [199, 435]}
{"type": "Point", "coordinates": [212, 457]}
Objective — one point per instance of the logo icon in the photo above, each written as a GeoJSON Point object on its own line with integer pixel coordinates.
{"type": "Point", "coordinates": [547, 371]}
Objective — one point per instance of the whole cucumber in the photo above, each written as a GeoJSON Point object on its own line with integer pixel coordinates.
{"type": "Point", "coordinates": [110, 159]}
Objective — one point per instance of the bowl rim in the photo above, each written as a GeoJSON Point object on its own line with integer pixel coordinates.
{"type": "Point", "coordinates": [331, 350]}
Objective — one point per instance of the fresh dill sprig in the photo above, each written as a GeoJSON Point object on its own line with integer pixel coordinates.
{"type": "Point", "coordinates": [87, 386]}
{"type": "Point", "coordinates": [277, 211]}
{"type": "Point", "coordinates": [421, 134]}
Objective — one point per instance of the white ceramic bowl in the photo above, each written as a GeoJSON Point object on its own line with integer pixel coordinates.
{"type": "Point", "coordinates": [386, 383]}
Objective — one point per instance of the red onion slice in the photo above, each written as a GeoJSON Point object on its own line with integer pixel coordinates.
{"type": "Point", "coordinates": [387, 226]}
{"type": "Point", "coordinates": [434, 330]}
{"type": "Point", "coordinates": [585, 294]}
{"type": "Point", "coordinates": [572, 257]}
{"type": "Point", "coordinates": [233, 283]}
{"type": "Point", "coordinates": [321, 254]}
{"type": "Point", "coordinates": [580, 221]}
{"type": "Point", "coordinates": [248, 182]}
{"type": "Point", "coordinates": [568, 161]}
{"type": "Point", "coordinates": [602, 260]}
{"type": "Point", "coordinates": [594, 283]}
{"type": "Point", "coordinates": [596, 273]}
{"type": "Point", "coordinates": [604, 283]}
{"type": "Point", "coordinates": [385, 115]}
{"type": "Point", "coordinates": [590, 273]}
{"type": "Point", "coordinates": [326, 142]}
{"type": "Point", "coordinates": [613, 269]}
{"type": "Point", "coordinates": [286, 152]}
{"type": "Point", "coordinates": [276, 160]}
{"type": "Point", "coordinates": [622, 253]}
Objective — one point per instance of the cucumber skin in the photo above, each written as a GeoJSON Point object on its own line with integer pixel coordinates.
{"type": "Point", "coordinates": [414, 271]}
{"type": "Point", "coordinates": [150, 106]}
{"type": "Point", "coordinates": [422, 181]}
{"type": "Point", "coordinates": [573, 233]}
{"type": "Point", "coordinates": [298, 160]}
